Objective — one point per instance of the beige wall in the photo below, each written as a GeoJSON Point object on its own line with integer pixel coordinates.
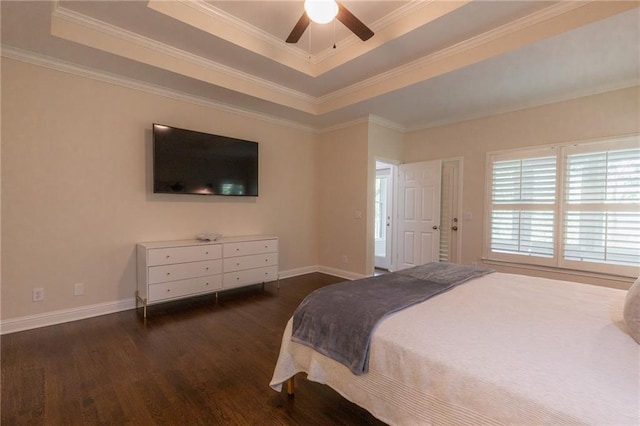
{"type": "Point", "coordinates": [75, 187]}
{"type": "Point", "coordinates": [346, 179]}
{"type": "Point", "coordinates": [76, 182]}
{"type": "Point", "coordinates": [342, 181]}
{"type": "Point", "coordinates": [609, 114]}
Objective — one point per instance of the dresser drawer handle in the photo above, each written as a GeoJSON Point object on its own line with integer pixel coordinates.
{"type": "Point", "coordinates": [206, 252]}
{"type": "Point", "coordinates": [168, 290]}
{"type": "Point", "coordinates": [237, 278]}
{"type": "Point", "coordinates": [168, 256]}
{"type": "Point", "coordinates": [237, 263]}
{"type": "Point", "coordinates": [207, 268]}
{"type": "Point", "coordinates": [168, 273]}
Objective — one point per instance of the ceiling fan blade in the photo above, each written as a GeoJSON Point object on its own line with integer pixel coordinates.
{"type": "Point", "coordinates": [354, 24]}
{"type": "Point", "coordinates": [299, 29]}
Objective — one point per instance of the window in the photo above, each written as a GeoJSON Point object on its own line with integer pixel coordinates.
{"type": "Point", "coordinates": [523, 196]}
{"type": "Point", "coordinates": [381, 207]}
{"type": "Point", "coordinates": [573, 206]}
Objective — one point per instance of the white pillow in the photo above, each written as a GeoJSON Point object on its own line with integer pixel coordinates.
{"type": "Point", "coordinates": [631, 312]}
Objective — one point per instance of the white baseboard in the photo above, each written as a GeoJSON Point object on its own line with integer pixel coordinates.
{"type": "Point", "coordinates": [66, 315]}
{"type": "Point", "coordinates": [340, 273]}
{"type": "Point", "coordinates": [299, 271]}
{"type": "Point", "coordinates": [323, 270]}
{"type": "Point", "coordinates": [29, 322]}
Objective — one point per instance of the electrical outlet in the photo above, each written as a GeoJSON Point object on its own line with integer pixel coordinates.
{"type": "Point", "coordinates": [78, 289]}
{"type": "Point", "coordinates": [345, 259]}
{"type": "Point", "coordinates": [38, 294]}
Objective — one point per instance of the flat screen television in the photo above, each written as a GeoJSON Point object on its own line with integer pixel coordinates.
{"type": "Point", "coordinates": [190, 162]}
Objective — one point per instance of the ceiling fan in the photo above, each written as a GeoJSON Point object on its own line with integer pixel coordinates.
{"type": "Point", "coordinates": [324, 11]}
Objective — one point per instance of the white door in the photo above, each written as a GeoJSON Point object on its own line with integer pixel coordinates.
{"type": "Point", "coordinates": [418, 213]}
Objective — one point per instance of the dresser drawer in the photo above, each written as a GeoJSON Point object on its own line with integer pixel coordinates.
{"type": "Point", "coordinates": [181, 288]}
{"type": "Point", "coordinates": [246, 248]}
{"type": "Point", "coordinates": [250, 276]}
{"type": "Point", "coordinates": [169, 255]}
{"type": "Point", "coordinates": [180, 271]}
{"type": "Point", "coordinates": [239, 263]}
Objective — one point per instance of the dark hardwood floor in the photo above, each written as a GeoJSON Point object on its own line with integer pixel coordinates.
{"type": "Point", "coordinates": [193, 362]}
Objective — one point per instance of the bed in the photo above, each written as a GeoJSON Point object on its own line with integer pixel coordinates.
{"type": "Point", "coordinates": [500, 349]}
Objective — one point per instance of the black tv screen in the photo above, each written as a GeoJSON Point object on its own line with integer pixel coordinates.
{"type": "Point", "coordinates": [190, 162]}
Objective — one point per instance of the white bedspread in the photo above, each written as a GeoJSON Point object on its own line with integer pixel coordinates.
{"type": "Point", "coordinates": [501, 349]}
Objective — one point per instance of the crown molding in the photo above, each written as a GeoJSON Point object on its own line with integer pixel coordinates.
{"type": "Point", "coordinates": [251, 30]}
{"type": "Point", "coordinates": [456, 49]}
{"type": "Point", "coordinates": [208, 18]}
{"type": "Point", "coordinates": [102, 76]}
{"type": "Point", "coordinates": [530, 105]}
{"type": "Point", "coordinates": [550, 21]}
{"type": "Point", "coordinates": [55, 64]}
{"type": "Point", "coordinates": [408, 9]}
{"type": "Point", "coordinates": [85, 72]}
{"type": "Point", "coordinates": [413, 16]}
{"type": "Point", "coordinates": [91, 32]}
{"type": "Point", "coordinates": [344, 125]}
{"type": "Point", "coordinates": [369, 119]}
{"type": "Point", "coordinates": [383, 122]}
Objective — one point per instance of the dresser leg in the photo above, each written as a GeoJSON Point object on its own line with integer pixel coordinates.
{"type": "Point", "coordinates": [144, 305]}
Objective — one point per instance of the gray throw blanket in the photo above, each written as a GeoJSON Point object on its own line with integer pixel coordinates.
{"type": "Point", "coordinates": [338, 320]}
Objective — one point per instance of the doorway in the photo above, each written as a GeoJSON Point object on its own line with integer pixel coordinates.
{"type": "Point", "coordinates": [383, 230]}
{"type": "Point", "coordinates": [445, 242]}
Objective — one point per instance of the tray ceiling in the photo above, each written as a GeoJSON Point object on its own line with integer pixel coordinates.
{"type": "Point", "coordinates": [430, 62]}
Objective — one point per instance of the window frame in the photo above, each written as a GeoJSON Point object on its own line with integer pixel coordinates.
{"type": "Point", "coordinates": [559, 207]}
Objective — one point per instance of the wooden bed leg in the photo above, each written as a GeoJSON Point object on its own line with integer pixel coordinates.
{"type": "Point", "coordinates": [291, 384]}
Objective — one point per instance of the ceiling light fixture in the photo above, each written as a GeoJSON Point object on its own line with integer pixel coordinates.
{"type": "Point", "coordinates": [321, 11]}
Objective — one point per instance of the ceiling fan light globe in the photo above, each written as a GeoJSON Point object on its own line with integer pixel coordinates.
{"type": "Point", "coordinates": [321, 11]}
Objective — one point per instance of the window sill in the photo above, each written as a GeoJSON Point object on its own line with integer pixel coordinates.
{"type": "Point", "coordinates": [575, 272]}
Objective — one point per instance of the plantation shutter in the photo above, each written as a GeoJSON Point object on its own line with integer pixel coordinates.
{"type": "Point", "coordinates": [573, 206]}
{"type": "Point", "coordinates": [523, 206]}
{"type": "Point", "coordinates": [602, 207]}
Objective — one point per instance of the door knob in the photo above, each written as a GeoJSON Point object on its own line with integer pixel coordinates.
{"type": "Point", "coordinates": [454, 228]}
{"type": "Point", "coordinates": [435, 226]}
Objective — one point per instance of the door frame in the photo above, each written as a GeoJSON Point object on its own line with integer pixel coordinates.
{"type": "Point", "coordinates": [392, 211]}
{"type": "Point", "coordinates": [394, 207]}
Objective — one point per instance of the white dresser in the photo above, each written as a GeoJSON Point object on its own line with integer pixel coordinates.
{"type": "Point", "coordinates": [171, 270]}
